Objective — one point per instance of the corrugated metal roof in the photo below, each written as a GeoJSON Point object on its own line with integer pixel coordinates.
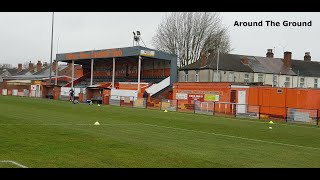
{"type": "Point", "coordinates": [19, 81]}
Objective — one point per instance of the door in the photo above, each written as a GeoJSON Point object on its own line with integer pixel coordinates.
{"type": "Point", "coordinates": [38, 94]}
{"type": "Point", "coordinates": [15, 92]}
{"type": "Point", "coordinates": [4, 92]}
{"type": "Point", "coordinates": [241, 107]}
{"type": "Point", "coordinates": [233, 96]}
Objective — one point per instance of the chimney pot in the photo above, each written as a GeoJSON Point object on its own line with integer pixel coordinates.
{"type": "Point", "coordinates": [269, 53]}
{"type": "Point", "coordinates": [39, 66]}
{"type": "Point", "coordinates": [30, 66]}
{"type": "Point", "coordinates": [307, 56]}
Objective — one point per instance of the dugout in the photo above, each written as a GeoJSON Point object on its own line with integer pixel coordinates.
{"type": "Point", "coordinates": [51, 91]}
{"type": "Point", "coordinates": [98, 94]}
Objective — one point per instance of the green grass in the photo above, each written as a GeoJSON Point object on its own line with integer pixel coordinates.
{"type": "Point", "coordinates": [49, 133]}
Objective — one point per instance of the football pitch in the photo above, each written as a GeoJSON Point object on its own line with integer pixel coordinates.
{"type": "Point", "coordinates": [40, 133]}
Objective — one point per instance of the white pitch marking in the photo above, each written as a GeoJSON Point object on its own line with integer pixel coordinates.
{"type": "Point", "coordinates": [59, 124]}
{"type": "Point", "coordinates": [255, 121]}
{"type": "Point", "coordinates": [216, 134]}
{"type": "Point", "coordinates": [13, 162]}
{"type": "Point", "coordinates": [230, 136]}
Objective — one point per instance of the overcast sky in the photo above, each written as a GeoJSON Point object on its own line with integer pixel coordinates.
{"type": "Point", "coordinates": [27, 36]}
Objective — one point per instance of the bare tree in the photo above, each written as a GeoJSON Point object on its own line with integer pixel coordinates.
{"type": "Point", "coordinates": [188, 34]}
{"type": "Point", "coordinates": [25, 65]}
{"type": "Point", "coordinates": [6, 66]}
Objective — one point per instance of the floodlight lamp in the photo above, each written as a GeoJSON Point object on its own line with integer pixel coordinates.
{"type": "Point", "coordinates": [134, 33]}
{"type": "Point", "coordinates": [138, 33]}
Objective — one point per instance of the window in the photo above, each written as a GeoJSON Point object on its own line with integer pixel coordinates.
{"type": "Point", "coordinates": [260, 77]}
{"type": "Point", "coordinates": [197, 76]}
{"type": "Point", "coordinates": [186, 76]}
{"type": "Point", "coordinates": [246, 77]}
{"type": "Point", "coordinates": [231, 77]}
{"type": "Point", "coordinates": [315, 83]}
{"type": "Point", "coordinates": [275, 80]}
{"type": "Point", "coordinates": [302, 82]}
{"type": "Point", "coordinates": [287, 82]}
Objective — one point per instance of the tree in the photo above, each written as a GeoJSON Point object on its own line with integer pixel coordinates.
{"type": "Point", "coordinates": [6, 66]}
{"type": "Point", "coordinates": [188, 34]}
{"type": "Point", "coordinates": [25, 65]}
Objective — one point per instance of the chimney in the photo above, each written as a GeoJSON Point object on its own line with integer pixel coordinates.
{"type": "Point", "coordinates": [245, 60]}
{"type": "Point", "coordinates": [39, 66]}
{"type": "Point", "coordinates": [54, 66]}
{"type": "Point", "coordinates": [307, 56]}
{"type": "Point", "coordinates": [19, 67]}
{"type": "Point", "coordinates": [287, 59]}
{"type": "Point", "coordinates": [203, 59]}
{"type": "Point", "coordinates": [30, 66]}
{"type": "Point", "coordinates": [270, 53]}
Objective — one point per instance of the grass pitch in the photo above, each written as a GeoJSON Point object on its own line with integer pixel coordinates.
{"type": "Point", "coordinates": [49, 133]}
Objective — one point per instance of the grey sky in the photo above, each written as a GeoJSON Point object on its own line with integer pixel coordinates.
{"type": "Point", "coordinates": [26, 36]}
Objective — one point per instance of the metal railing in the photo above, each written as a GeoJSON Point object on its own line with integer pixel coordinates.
{"type": "Point", "coordinates": [204, 107]}
{"type": "Point", "coordinates": [139, 102]}
{"type": "Point", "coordinates": [306, 116]}
{"type": "Point", "coordinates": [169, 105]}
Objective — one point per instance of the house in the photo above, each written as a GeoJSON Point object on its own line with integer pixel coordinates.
{"type": "Point", "coordinates": [42, 73]}
{"type": "Point", "coordinates": [4, 72]}
{"type": "Point", "coordinates": [33, 79]}
{"type": "Point", "coordinates": [247, 69]}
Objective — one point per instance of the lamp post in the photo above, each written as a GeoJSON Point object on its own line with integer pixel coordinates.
{"type": "Point", "coordinates": [218, 64]}
{"type": "Point", "coordinates": [51, 48]}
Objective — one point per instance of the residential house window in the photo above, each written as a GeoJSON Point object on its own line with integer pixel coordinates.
{"type": "Point", "coordinates": [302, 82]}
{"type": "Point", "coordinates": [275, 80]}
{"type": "Point", "coordinates": [246, 77]}
{"type": "Point", "coordinates": [231, 77]}
{"type": "Point", "coordinates": [287, 82]}
{"type": "Point", "coordinates": [186, 76]}
{"type": "Point", "coordinates": [260, 77]}
{"type": "Point", "coordinates": [315, 83]}
{"type": "Point", "coordinates": [197, 76]}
